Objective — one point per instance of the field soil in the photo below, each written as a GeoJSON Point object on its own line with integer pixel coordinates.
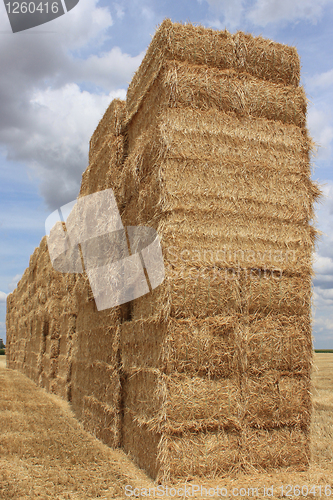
{"type": "Point", "coordinates": [46, 454]}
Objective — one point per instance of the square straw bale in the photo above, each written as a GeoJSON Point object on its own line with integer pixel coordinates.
{"type": "Point", "coordinates": [180, 86]}
{"type": "Point", "coordinates": [203, 454]}
{"type": "Point", "coordinates": [197, 45]}
{"type": "Point", "coordinates": [102, 420]}
{"type": "Point", "coordinates": [140, 444]}
{"type": "Point", "coordinates": [202, 347]}
{"type": "Point", "coordinates": [109, 127]}
{"type": "Point", "coordinates": [275, 400]}
{"type": "Point", "coordinates": [278, 448]}
{"type": "Point", "coordinates": [100, 344]}
{"type": "Point", "coordinates": [210, 135]}
{"type": "Point", "coordinates": [278, 342]}
{"type": "Point", "coordinates": [96, 379]}
{"type": "Point", "coordinates": [104, 169]}
{"type": "Point", "coordinates": [210, 291]}
{"type": "Point", "coordinates": [178, 403]}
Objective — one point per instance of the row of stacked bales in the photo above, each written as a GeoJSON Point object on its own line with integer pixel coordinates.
{"type": "Point", "coordinates": [55, 334]}
{"type": "Point", "coordinates": [95, 377]}
{"type": "Point", "coordinates": [217, 359]}
{"type": "Point", "coordinates": [36, 324]}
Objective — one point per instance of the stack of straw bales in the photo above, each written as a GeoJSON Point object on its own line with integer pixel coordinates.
{"type": "Point", "coordinates": [95, 378]}
{"type": "Point", "coordinates": [55, 334]}
{"type": "Point", "coordinates": [210, 372]}
{"type": "Point", "coordinates": [217, 359]}
{"type": "Point", "coordinates": [36, 323]}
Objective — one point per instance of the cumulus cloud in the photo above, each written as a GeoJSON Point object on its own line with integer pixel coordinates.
{"type": "Point", "coordinates": [57, 150]}
{"type": "Point", "coordinates": [275, 11]}
{"type": "Point", "coordinates": [323, 267]}
{"type": "Point", "coordinates": [13, 283]}
{"type": "Point", "coordinates": [3, 297]}
{"type": "Point", "coordinates": [119, 10]}
{"type": "Point", "coordinates": [46, 119]}
{"type": "Point", "coordinates": [320, 80]}
{"type": "Point", "coordinates": [231, 12]}
{"type": "Point", "coordinates": [321, 129]}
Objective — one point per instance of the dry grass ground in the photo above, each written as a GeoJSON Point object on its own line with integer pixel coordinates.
{"type": "Point", "coordinates": [45, 453]}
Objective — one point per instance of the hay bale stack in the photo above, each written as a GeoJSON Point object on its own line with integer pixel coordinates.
{"type": "Point", "coordinates": [35, 321]}
{"type": "Point", "coordinates": [95, 372]}
{"type": "Point", "coordinates": [106, 153]}
{"type": "Point", "coordinates": [218, 357]}
{"type": "Point", "coordinates": [56, 336]}
{"type": "Point", "coordinates": [210, 372]}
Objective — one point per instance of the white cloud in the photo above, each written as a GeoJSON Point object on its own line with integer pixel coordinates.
{"type": "Point", "coordinates": [231, 12]}
{"type": "Point", "coordinates": [108, 70]}
{"type": "Point", "coordinates": [321, 129]}
{"type": "Point", "coordinates": [47, 120]}
{"type": "Point", "coordinates": [320, 80]}
{"type": "Point", "coordinates": [323, 297]}
{"type": "Point", "coordinates": [119, 10]}
{"type": "Point", "coordinates": [13, 283]}
{"type": "Point", "coordinates": [3, 297]}
{"type": "Point", "coordinates": [323, 265]}
{"type": "Point", "coordinates": [275, 11]}
{"type": "Point", "coordinates": [57, 145]}
{"type": "Point", "coordinates": [147, 13]}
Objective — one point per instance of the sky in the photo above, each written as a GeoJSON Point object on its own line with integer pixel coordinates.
{"type": "Point", "coordinates": [57, 80]}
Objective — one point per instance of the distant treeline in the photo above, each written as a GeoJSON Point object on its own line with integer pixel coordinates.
{"type": "Point", "coordinates": [323, 350]}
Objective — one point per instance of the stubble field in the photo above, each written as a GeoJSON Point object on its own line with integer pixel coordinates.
{"type": "Point", "coordinates": [46, 454]}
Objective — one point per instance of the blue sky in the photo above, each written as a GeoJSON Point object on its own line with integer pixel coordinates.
{"type": "Point", "coordinates": [57, 80]}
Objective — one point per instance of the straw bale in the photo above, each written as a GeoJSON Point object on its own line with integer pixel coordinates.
{"type": "Point", "coordinates": [178, 403]}
{"type": "Point", "coordinates": [95, 395]}
{"type": "Point", "coordinates": [210, 346]}
{"type": "Point", "coordinates": [102, 420]}
{"type": "Point", "coordinates": [236, 94]}
{"type": "Point", "coordinates": [88, 317]}
{"type": "Point", "coordinates": [216, 239]}
{"type": "Point", "coordinates": [109, 127]}
{"type": "Point", "coordinates": [100, 344]}
{"type": "Point", "coordinates": [205, 454]}
{"type": "Point", "coordinates": [210, 135]}
{"type": "Point", "coordinates": [259, 193]}
{"type": "Point", "coordinates": [104, 169]}
{"type": "Point", "coordinates": [268, 449]}
{"type": "Point", "coordinates": [97, 379]}
{"type": "Point", "coordinates": [197, 45]}
{"type": "Point", "coordinates": [289, 295]}
{"type": "Point", "coordinates": [59, 386]}
{"type": "Point", "coordinates": [209, 291]}
{"type": "Point", "coordinates": [273, 401]}
{"type": "Point", "coordinates": [202, 347]}
{"type": "Point", "coordinates": [140, 444]}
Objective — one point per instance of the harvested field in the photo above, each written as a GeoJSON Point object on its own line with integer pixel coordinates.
{"type": "Point", "coordinates": [45, 453]}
